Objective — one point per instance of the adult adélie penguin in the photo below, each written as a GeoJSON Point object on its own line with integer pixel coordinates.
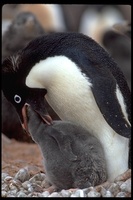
{"type": "Point", "coordinates": [82, 84]}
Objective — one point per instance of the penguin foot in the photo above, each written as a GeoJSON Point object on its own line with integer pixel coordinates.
{"type": "Point", "coordinates": [123, 177]}
{"type": "Point", "coordinates": [105, 185]}
{"type": "Point", "coordinates": [73, 189]}
{"type": "Point", "coordinates": [51, 189]}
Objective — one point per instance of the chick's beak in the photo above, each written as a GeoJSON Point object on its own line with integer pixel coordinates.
{"type": "Point", "coordinates": [46, 118]}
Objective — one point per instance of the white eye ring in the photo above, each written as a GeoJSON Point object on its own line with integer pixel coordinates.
{"type": "Point", "coordinates": [17, 98]}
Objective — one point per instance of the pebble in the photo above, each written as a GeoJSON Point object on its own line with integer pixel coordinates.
{"type": "Point", "coordinates": [21, 194]}
{"type": "Point", "coordinates": [16, 183]}
{"type": "Point", "coordinates": [78, 193]}
{"type": "Point", "coordinates": [23, 184]}
{"type": "Point", "coordinates": [5, 187]}
{"type": "Point", "coordinates": [45, 194]}
{"type": "Point", "coordinates": [35, 188]}
{"type": "Point", "coordinates": [109, 194]}
{"type": "Point", "coordinates": [121, 194]}
{"type": "Point", "coordinates": [55, 194]}
{"type": "Point", "coordinates": [26, 184]}
{"type": "Point", "coordinates": [13, 188]}
{"type": "Point", "coordinates": [37, 177]}
{"type": "Point", "coordinates": [4, 175]}
{"type": "Point", "coordinates": [8, 178]}
{"type": "Point", "coordinates": [114, 189]}
{"type": "Point", "coordinates": [4, 193]}
{"type": "Point", "coordinates": [126, 186]}
{"type": "Point", "coordinates": [93, 193]}
{"type": "Point", "coordinates": [65, 193]}
{"type": "Point", "coordinates": [22, 175]}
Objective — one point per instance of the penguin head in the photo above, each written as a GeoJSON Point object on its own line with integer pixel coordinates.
{"type": "Point", "coordinates": [27, 24]}
{"type": "Point", "coordinates": [15, 70]}
{"type": "Point", "coordinates": [17, 93]}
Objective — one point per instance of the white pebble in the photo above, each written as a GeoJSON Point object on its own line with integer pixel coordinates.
{"type": "Point", "coordinates": [10, 195]}
{"type": "Point", "coordinates": [119, 183]}
{"type": "Point", "coordinates": [82, 194]}
{"type": "Point", "coordinates": [4, 175]}
{"type": "Point", "coordinates": [103, 191]}
{"type": "Point", "coordinates": [73, 195]}
{"type": "Point", "coordinates": [65, 193]}
{"type": "Point", "coordinates": [114, 189]}
{"type": "Point", "coordinates": [35, 194]}
{"type": "Point", "coordinates": [30, 189]}
{"type": "Point", "coordinates": [5, 187]}
{"type": "Point", "coordinates": [26, 185]}
{"type": "Point", "coordinates": [93, 193]}
{"type": "Point", "coordinates": [45, 194]}
{"type": "Point", "coordinates": [106, 193]}
{"type": "Point", "coordinates": [109, 194]}
{"type": "Point", "coordinates": [121, 194]}
{"type": "Point", "coordinates": [8, 178]}
{"type": "Point", "coordinates": [13, 188]}
{"type": "Point", "coordinates": [4, 193]}
{"type": "Point", "coordinates": [16, 182]}
{"type": "Point", "coordinates": [55, 194]}
{"type": "Point", "coordinates": [78, 193]}
{"type": "Point", "coordinates": [126, 186]}
{"type": "Point", "coordinates": [21, 194]}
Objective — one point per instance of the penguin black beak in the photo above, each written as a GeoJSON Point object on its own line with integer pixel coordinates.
{"type": "Point", "coordinates": [46, 118]}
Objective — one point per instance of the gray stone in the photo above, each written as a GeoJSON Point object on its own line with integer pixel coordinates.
{"type": "Point", "coordinates": [126, 186]}
{"type": "Point", "coordinates": [22, 175]}
{"type": "Point", "coordinates": [55, 194]}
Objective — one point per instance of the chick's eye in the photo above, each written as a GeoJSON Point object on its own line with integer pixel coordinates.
{"type": "Point", "coordinates": [17, 98]}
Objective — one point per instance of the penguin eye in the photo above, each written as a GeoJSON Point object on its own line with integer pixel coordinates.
{"type": "Point", "coordinates": [17, 98]}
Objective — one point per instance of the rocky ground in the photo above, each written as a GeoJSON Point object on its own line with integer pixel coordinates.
{"type": "Point", "coordinates": [23, 175]}
{"type": "Point", "coordinates": [16, 155]}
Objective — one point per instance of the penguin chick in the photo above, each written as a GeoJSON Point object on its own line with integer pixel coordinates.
{"type": "Point", "coordinates": [50, 16]}
{"type": "Point", "coordinates": [73, 158]}
{"type": "Point", "coordinates": [22, 30]}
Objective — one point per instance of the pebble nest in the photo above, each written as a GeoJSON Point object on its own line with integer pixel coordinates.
{"type": "Point", "coordinates": [25, 185]}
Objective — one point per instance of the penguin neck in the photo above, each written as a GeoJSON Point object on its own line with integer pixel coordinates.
{"type": "Point", "coordinates": [56, 72]}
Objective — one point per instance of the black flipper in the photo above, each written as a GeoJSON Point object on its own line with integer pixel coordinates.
{"type": "Point", "coordinates": [104, 90]}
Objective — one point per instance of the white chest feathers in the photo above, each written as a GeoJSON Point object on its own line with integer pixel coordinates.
{"type": "Point", "coordinates": [69, 94]}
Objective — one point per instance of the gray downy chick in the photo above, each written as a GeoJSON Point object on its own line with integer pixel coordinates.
{"type": "Point", "coordinates": [24, 28]}
{"type": "Point", "coordinates": [73, 158]}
